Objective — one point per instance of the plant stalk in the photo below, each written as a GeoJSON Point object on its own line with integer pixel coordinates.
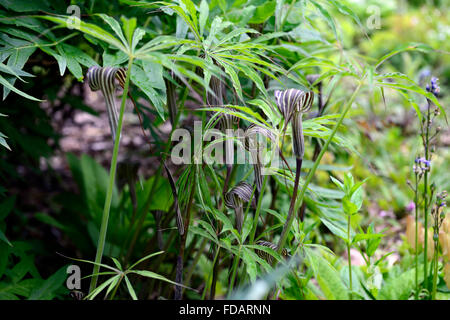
{"type": "Point", "coordinates": [416, 201]}
{"type": "Point", "coordinates": [112, 176]}
{"type": "Point", "coordinates": [425, 198]}
{"type": "Point", "coordinates": [349, 256]}
{"type": "Point", "coordinates": [288, 224]}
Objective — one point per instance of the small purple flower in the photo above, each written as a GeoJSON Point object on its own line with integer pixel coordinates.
{"type": "Point", "coordinates": [424, 161]}
{"type": "Point", "coordinates": [411, 206]}
{"type": "Point", "coordinates": [433, 86]}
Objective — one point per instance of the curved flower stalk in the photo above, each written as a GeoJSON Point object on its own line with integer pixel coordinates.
{"type": "Point", "coordinates": [292, 103]}
{"type": "Point", "coordinates": [235, 199]}
{"type": "Point", "coordinates": [264, 255]}
{"type": "Point", "coordinates": [252, 146]}
{"type": "Point", "coordinates": [106, 80]}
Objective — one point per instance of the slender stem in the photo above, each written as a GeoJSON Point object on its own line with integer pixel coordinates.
{"type": "Point", "coordinates": [349, 257]}
{"type": "Point", "coordinates": [233, 271]}
{"type": "Point", "coordinates": [416, 202]}
{"type": "Point", "coordinates": [436, 265]}
{"type": "Point", "coordinates": [112, 176]}
{"type": "Point", "coordinates": [258, 210]}
{"type": "Point", "coordinates": [425, 197]}
{"type": "Point", "coordinates": [195, 261]}
{"type": "Point", "coordinates": [178, 289]}
{"type": "Point", "coordinates": [215, 274]}
{"type": "Point", "coordinates": [290, 215]}
{"type": "Point", "coordinates": [259, 203]}
{"type": "Point", "coordinates": [208, 283]}
{"type": "Point", "coordinates": [288, 223]}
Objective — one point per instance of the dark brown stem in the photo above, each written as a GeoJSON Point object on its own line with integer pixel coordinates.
{"type": "Point", "coordinates": [294, 194]}
{"type": "Point", "coordinates": [180, 259]}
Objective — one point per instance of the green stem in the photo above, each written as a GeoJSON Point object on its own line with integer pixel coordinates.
{"type": "Point", "coordinates": [349, 257]}
{"type": "Point", "coordinates": [258, 210]}
{"type": "Point", "coordinates": [112, 176]}
{"type": "Point", "coordinates": [436, 269]}
{"type": "Point", "coordinates": [259, 203]}
{"type": "Point", "coordinates": [195, 261]}
{"type": "Point", "coordinates": [233, 272]}
{"type": "Point", "coordinates": [416, 201]}
{"type": "Point", "coordinates": [288, 224]}
{"type": "Point", "coordinates": [425, 197]}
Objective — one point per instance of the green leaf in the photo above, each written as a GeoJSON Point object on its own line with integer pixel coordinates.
{"type": "Point", "coordinates": [263, 12]}
{"type": "Point", "coordinates": [128, 26]}
{"type": "Point", "coordinates": [250, 265]}
{"type": "Point", "coordinates": [204, 12]}
{"type": "Point", "coordinates": [3, 141]}
{"type": "Point", "coordinates": [130, 288]}
{"type": "Point", "coordinates": [88, 28]}
{"type": "Point", "coordinates": [47, 290]}
{"type": "Point", "coordinates": [327, 16]}
{"type": "Point", "coordinates": [6, 83]}
{"type": "Point", "coordinates": [25, 5]}
{"type": "Point", "coordinates": [327, 277]}
{"type": "Point", "coordinates": [363, 236]}
{"type": "Point", "coordinates": [100, 288]}
{"type": "Point", "coordinates": [399, 287]}
{"type": "Point", "coordinates": [115, 26]}
{"type": "Point", "coordinates": [192, 11]}
{"type": "Point", "coordinates": [72, 63]}
{"type": "Point", "coordinates": [140, 79]}
{"type": "Point", "coordinates": [150, 274]}
{"type": "Point", "coordinates": [406, 47]}
{"type": "Point", "coordinates": [145, 258]}
{"type": "Point", "coordinates": [3, 238]}
{"type": "Point", "coordinates": [349, 207]}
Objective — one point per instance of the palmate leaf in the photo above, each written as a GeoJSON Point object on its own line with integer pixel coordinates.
{"type": "Point", "coordinates": [17, 52]}
{"type": "Point", "coordinates": [347, 11]}
{"type": "Point", "coordinates": [88, 28]}
{"type": "Point", "coordinates": [12, 70]}
{"type": "Point", "coordinates": [403, 48]}
{"type": "Point", "coordinates": [327, 16]}
{"type": "Point", "coordinates": [186, 10]}
{"type": "Point", "coordinates": [410, 86]}
{"type": "Point", "coordinates": [9, 86]}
